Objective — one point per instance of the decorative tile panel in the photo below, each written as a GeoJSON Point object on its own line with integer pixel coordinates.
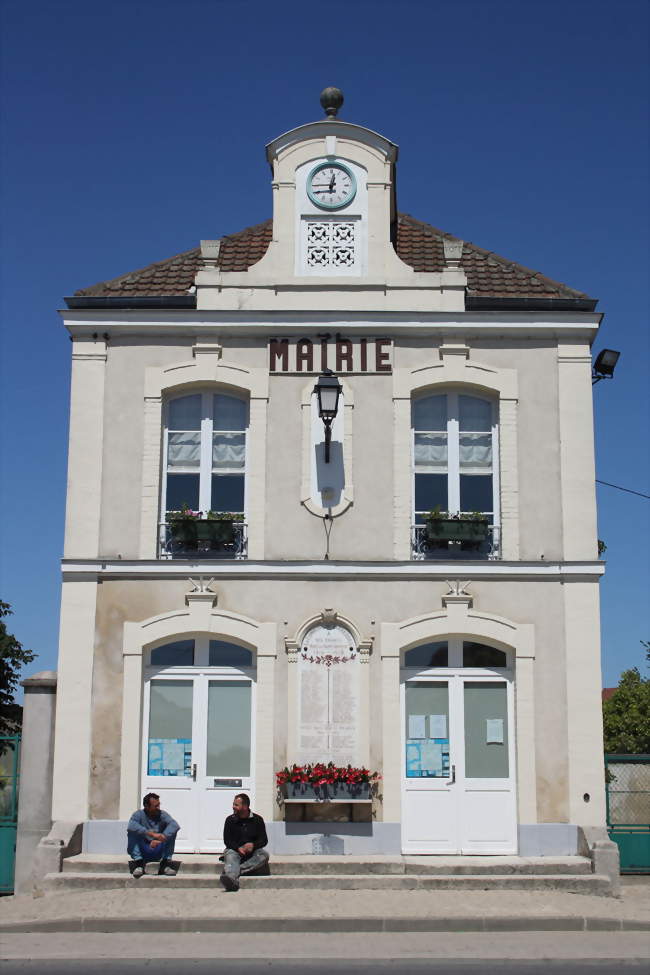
{"type": "Point", "coordinates": [331, 244]}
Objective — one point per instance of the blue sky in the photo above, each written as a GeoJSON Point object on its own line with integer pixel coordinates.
{"type": "Point", "coordinates": [134, 128]}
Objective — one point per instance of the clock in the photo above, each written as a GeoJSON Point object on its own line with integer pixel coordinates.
{"type": "Point", "coordinates": [331, 185]}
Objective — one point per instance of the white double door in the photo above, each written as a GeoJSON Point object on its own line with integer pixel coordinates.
{"type": "Point", "coordinates": [198, 749]}
{"type": "Point", "coordinates": [458, 782]}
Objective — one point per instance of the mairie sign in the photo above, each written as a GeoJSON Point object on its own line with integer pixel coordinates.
{"type": "Point", "coordinates": [328, 352]}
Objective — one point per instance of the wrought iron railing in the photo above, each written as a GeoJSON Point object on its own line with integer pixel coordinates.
{"type": "Point", "coordinates": [171, 546]}
{"type": "Point", "coordinates": [424, 546]}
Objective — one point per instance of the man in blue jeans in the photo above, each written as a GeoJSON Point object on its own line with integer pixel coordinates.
{"type": "Point", "coordinates": [151, 835]}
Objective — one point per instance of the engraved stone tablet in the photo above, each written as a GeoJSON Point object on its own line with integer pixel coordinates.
{"type": "Point", "coordinates": [328, 718]}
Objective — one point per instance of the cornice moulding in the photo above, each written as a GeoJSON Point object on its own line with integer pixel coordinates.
{"type": "Point", "coordinates": [77, 569]}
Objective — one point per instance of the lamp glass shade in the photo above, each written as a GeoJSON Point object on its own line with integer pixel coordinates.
{"type": "Point", "coordinates": [328, 391]}
{"type": "Point", "coordinates": [606, 362]}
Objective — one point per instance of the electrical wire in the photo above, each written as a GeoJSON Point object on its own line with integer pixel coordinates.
{"type": "Point", "coordinates": [619, 488]}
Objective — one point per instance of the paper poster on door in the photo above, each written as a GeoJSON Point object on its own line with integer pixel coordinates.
{"type": "Point", "coordinates": [169, 756]}
{"type": "Point", "coordinates": [417, 726]}
{"type": "Point", "coordinates": [494, 731]}
{"type": "Point", "coordinates": [437, 726]}
{"type": "Point", "coordinates": [424, 759]}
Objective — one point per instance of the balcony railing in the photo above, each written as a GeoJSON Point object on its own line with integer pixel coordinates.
{"type": "Point", "coordinates": [233, 546]}
{"type": "Point", "coordinates": [425, 547]}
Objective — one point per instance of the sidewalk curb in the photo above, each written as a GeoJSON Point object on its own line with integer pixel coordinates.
{"type": "Point", "coordinates": [334, 925]}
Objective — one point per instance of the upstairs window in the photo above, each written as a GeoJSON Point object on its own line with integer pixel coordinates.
{"type": "Point", "coordinates": [454, 446]}
{"type": "Point", "coordinates": [205, 453]}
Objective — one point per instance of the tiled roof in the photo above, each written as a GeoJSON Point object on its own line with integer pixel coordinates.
{"type": "Point", "coordinates": [418, 244]}
{"type": "Point", "coordinates": [488, 275]}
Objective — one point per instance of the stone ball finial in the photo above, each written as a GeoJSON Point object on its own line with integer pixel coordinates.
{"type": "Point", "coordinates": [331, 99]}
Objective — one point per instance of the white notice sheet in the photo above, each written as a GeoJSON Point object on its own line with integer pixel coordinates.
{"type": "Point", "coordinates": [437, 726]}
{"type": "Point", "coordinates": [494, 731]}
{"type": "Point", "coordinates": [417, 726]}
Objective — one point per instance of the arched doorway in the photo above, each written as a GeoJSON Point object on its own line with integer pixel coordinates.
{"type": "Point", "coordinates": [458, 749]}
{"type": "Point", "coordinates": [198, 735]}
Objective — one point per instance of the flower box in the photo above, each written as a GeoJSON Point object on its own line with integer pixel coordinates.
{"type": "Point", "coordinates": [189, 530]}
{"type": "Point", "coordinates": [184, 532]}
{"type": "Point", "coordinates": [456, 530]}
{"type": "Point", "coordinates": [326, 783]}
{"type": "Point", "coordinates": [215, 531]}
{"type": "Point", "coordinates": [332, 792]}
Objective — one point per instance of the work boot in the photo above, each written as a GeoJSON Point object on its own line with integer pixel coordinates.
{"type": "Point", "coordinates": [138, 870]}
{"type": "Point", "coordinates": [228, 882]}
{"type": "Point", "coordinates": [165, 869]}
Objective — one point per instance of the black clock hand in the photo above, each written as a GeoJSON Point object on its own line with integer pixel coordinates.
{"type": "Point", "coordinates": [332, 181]}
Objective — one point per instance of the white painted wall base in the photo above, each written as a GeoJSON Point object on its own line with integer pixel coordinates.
{"type": "Point", "coordinates": [357, 839]}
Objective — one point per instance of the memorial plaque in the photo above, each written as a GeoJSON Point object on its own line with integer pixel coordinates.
{"type": "Point", "coordinates": [328, 725]}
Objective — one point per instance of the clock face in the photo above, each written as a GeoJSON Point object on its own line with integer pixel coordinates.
{"type": "Point", "coordinates": [331, 186]}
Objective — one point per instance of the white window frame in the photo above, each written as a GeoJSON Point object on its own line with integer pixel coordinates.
{"type": "Point", "coordinates": [205, 463]}
{"type": "Point", "coordinates": [453, 450]}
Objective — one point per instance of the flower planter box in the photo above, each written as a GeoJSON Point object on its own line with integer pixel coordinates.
{"type": "Point", "coordinates": [205, 533]}
{"type": "Point", "coordinates": [216, 532]}
{"type": "Point", "coordinates": [184, 532]}
{"type": "Point", "coordinates": [456, 530]}
{"type": "Point", "coordinates": [338, 792]}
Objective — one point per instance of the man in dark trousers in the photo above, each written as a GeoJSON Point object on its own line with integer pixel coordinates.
{"type": "Point", "coordinates": [244, 835]}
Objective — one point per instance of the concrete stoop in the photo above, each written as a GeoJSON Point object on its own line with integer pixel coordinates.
{"type": "Point", "coordinates": [569, 874]}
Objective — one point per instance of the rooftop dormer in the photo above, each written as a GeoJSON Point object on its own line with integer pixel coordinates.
{"type": "Point", "coordinates": [334, 213]}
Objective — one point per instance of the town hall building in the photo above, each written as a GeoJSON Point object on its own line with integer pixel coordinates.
{"type": "Point", "coordinates": [403, 579]}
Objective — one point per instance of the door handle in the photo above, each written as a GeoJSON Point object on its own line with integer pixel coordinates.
{"type": "Point", "coordinates": [449, 781]}
{"type": "Point", "coordinates": [194, 772]}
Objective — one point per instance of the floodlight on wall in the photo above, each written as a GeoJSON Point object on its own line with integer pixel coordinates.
{"type": "Point", "coordinates": [328, 390]}
{"type": "Point", "coordinates": [604, 365]}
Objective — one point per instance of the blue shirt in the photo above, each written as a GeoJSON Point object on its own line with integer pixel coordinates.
{"type": "Point", "coordinates": [141, 824]}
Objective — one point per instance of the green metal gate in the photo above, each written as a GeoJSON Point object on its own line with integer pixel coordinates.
{"type": "Point", "coordinates": [9, 774]}
{"type": "Point", "coordinates": [628, 809]}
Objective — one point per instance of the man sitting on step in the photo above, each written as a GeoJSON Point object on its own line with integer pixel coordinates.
{"type": "Point", "coordinates": [244, 835]}
{"type": "Point", "coordinates": [151, 835]}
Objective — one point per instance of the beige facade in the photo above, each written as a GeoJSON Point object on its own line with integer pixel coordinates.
{"type": "Point", "coordinates": [358, 562]}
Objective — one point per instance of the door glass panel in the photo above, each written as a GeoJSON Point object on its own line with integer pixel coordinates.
{"type": "Point", "coordinates": [480, 655]}
{"type": "Point", "coordinates": [427, 730]}
{"type": "Point", "coordinates": [427, 655]}
{"type": "Point", "coordinates": [178, 654]}
{"type": "Point", "coordinates": [430, 492]}
{"type": "Point", "coordinates": [476, 492]}
{"type": "Point", "coordinates": [486, 730]}
{"type": "Point", "coordinates": [229, 728]}
{"type": "Point", "coordinates": [227, 492]}
{"type": "Point", "coordinates": [182, 489]}
{"type": "Point", "coordinates": [170, 728]}
{"type": "Point", "coordinates": [223, 654]}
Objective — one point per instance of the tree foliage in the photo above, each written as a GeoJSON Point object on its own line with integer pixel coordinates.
{"type": "Point", "coordinates": [12, 658]}
{"type": "Point", "coordinates": [626, 715]}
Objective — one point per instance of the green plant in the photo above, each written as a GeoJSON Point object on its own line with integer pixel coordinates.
{"type": "Point", "coordinates": [626, 714]}
{"type": "Point", "coordinates": [437, 515]}
{"type": "Point", "coordinates": [187, 514]}
{"type": "Point", "coordinates": [12, 658]}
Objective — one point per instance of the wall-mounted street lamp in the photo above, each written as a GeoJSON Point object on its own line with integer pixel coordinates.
{"type": "Point", "coordinates": [604, 365]}
{"type": "Point", "coordinates": [328, 390]}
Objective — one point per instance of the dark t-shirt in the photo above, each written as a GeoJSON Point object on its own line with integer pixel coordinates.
{"type": "Point", "coordinates": [237, 832]}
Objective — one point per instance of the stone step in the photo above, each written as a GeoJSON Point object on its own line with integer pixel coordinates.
{"type": "Point", "coordinates": [317, 866]}
{"type": "Point", "coordinates": [573, 883]}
